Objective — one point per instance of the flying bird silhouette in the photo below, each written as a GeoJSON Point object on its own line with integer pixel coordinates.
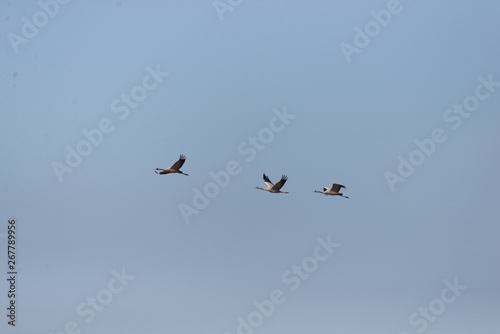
{"type": "Point", "coordinates": [334, 190]}
{"type": "Point", "coordinates": [274, 188]}
{"type": "Point", "coordinates": [175, 167]}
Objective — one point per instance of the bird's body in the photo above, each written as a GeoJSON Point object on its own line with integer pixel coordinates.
{"type": "Point", "coordinates": [175, 167]}
{"type": "Point", "coordinates": [274, 188]}
{"type": "Point", "coordinates": [334, 190]}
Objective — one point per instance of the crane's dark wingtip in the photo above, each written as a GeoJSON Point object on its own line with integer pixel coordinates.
{"type": "Point", "coordinates": [266, 179]}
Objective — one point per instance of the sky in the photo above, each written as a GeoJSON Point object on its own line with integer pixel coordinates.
{"type": "Point", "coordinates": [396, 100]}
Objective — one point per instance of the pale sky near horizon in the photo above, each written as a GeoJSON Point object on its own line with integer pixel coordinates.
{"type": "Point", "coordinates": [100, 94]}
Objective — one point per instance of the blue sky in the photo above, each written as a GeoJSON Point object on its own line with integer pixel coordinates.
{"type": "Point", "coordinates": [103, 247]}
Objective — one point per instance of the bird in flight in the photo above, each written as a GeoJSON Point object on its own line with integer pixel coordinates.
{"type": "Point", "coordinates": [175, 167]}
{"type": "Point", "coordinates": [274, 188]}
{"type": "Point", "coordinates": [334, 190]}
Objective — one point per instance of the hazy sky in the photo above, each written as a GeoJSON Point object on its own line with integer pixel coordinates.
{"type": "Point", "coordinates": [398, 101]}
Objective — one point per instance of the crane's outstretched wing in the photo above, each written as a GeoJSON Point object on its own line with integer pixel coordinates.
{"type": "Point", "coordinates": [268, 182]}
{"type": "Point", "coordinates": [178, 164]}
{"type": "Point", "coordinates": [336, 187]}
{"type": "Point", "coordinates": [281, 183]}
